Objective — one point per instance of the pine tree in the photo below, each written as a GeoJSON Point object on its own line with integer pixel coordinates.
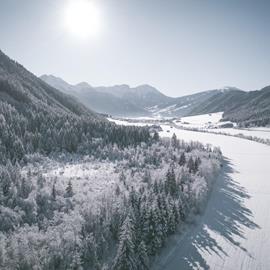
{"type": "Point", "coordinates": [126, 258]}
{"type": "Point", "coordinates": [53, 194]}
{"type": "Point", "coordinates": [174, 141]}
{"type": "Point", "coordinates": [122, 177]}
{"type": "Point", "coordinates": [182, 160]}
{"type": "Point", "coordinates": [143, 260]}
{"type": "Point", "coordinates": [170, 183]}
{"type": "Point", "coordinates": [197, 164]}
{"type": "Point", "coordinates": [25, 188]}
{"type": "Point", "coordinates": [89, 253]}
{"type": "Point", "coordinates": [156, 136]}
{"type": "Point", "coordinates": [40, 181]}
{"type": "Point", "coordinates": [69, 190]}
{"type": "Point", "coordinates": [191, 165]}
{"type": "Point", "coordinates": [117, 190]}
{"type": "Point", "coordinates": [146, 176]}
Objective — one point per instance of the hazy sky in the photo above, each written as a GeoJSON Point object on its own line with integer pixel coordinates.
{"type": "Point", "coordinates": [180, 47]}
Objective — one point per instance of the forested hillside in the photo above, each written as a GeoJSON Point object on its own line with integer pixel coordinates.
{"type": "Point", "coordinates": [253, 109]}
{"type": "Point", "coordinates": [35, 117]}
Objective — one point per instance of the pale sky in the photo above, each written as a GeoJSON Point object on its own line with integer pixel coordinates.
{"type": "Point", "coordinates": [178, 46]}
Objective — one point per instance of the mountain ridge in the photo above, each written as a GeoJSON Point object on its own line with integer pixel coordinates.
{"type": "Point", "coordinates": [243, 107]}
{"type": "Point", "coordinates": [142, 100]}
{"type": "Point", "coordinates": [38, 118]}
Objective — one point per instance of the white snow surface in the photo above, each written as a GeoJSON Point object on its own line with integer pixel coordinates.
{"type": "Point", "coordinates": [201, 121]}
{"type": "Point", "coordinates": [126, 123]}
{"type": "Point", "coordinates": [263, 133]}
{"type": "Point", "coordinates": [234, 230]}
{"type": "Point", "coordinates": [211, 122]}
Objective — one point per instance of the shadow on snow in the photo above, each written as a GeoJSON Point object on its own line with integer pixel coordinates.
{"type": "Point", "coordinates": [224, 215]}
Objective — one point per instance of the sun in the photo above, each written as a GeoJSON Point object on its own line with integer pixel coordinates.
{"type": "Point", "coordinates": [82, 18]}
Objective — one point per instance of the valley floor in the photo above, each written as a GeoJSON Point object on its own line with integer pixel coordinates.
{"type": "Point", "coordinates": [233, 232]}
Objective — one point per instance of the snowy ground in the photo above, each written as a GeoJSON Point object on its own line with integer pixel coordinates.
{"type": "Point", "coordinates": [201, 121]}
{"type": "Point", "coordinates": [254, 132]}
{"type": "Point", "coordinates": [211, 122]}
{"type": "Point", "coordinates": [126, 123]}
{"type": "Point", "coordinates": [234, 231]}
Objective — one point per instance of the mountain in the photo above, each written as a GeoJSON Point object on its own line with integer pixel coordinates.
{"type": "Point", "coordinates": [219, 101]}
{"type": "Point", "coordinates": [123, 100]}
{"type": "Point", "coordinates": [101, 99]}
{"type": "Point", "coordinates": [186, 105]}
{"type": "Point", "coordinates": [23, 90]}
{"type": "Point", "coordinates": [252, 109]}
{"type": "Point", "coordinates": [245, 108]}
{"type": "Point", "coordinates": [145, 95]}
{"type": "Point", "coordinates": [36, 117]}
{"type": "Point", "coordinates": [143, 100]}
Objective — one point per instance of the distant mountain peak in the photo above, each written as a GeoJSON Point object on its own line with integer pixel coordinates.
{"type": "Point", "coordinates": [229, 88]}
{"type": "Point", "coordinates": [83, 85]}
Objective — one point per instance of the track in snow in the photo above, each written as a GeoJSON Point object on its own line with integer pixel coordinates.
{"type": "Point", "coordinates": [234, 231]}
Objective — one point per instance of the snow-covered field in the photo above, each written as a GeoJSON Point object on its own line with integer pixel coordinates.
{"type": "Point", "coordinates": [211, 123]}
{"type": "Point", "coordinates": [201, 121]}
{"type": "Point", "coordinates": [254, 132]}
{"type": "Point", "coordinates": [234, 231]}
{"type": "Point", "coordinates": [126, 123]}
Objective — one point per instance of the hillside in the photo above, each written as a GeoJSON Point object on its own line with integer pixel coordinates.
{"type": "Point", "coordinates": [107, 100]}
{"type": "Point", "coordinates": [219, 101]}
{"type": "Point", "coordinates": [123, 100]}
{"type": "Point", "coordinates": [35, 117]}
{"type": "Point", "coordinates": [22, 89]}
{"type": "Point", "coordinates": [252, 110]}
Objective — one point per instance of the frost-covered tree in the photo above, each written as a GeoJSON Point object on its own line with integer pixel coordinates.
{"type": "Point", "coordinates": [174, 141]}
{"type": "Point", "coordinates": [126, 258]}
{"type": "Point", "coordinates": [182, 160]}
{"type": "Point", "coordinates": [69, 190]}
{"type": "Point", "coordinates": [170, 182]}
{"type": "Point", "coordinates": [143, 259]}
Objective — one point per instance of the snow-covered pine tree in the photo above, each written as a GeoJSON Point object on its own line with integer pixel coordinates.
{"type": "Point", "coordinates": [69, 190]}
{"type": "Point", "coordinates": [126, 258]}
{"type": "Point", "coordinates": [191, 165]}
{"type": "Point", "coordinates": [174, 141]}
{"type": "Point", "coordinates": [182, 160]}
{"type": "Point", "coordinates": [143, 260]}
{"type": "Point", "coordinates": [170, 183]}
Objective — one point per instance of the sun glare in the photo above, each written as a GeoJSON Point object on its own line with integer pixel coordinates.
{"type": "Point", "coordinates": [82, 18]}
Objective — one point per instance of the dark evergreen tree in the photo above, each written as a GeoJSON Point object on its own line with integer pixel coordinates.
{"type": "Point", "coordinates": [126, 258]}
{"type": "Point", "coordinates": [143, 260]}
{"type": "Point", "coordinates": [69, 190]}
{"type": "Point", "coordinates": [174, 141]}
{"type": "Point", "coordinates": [156, 136]}
{"type": "Point", "coordinates": [170, 183]}
{"type": "Point", "coordinates": [182, 160]}
{"type": "Point", "coordinates": [191, 165]}
{"type": "Point", "coordinates": [53, 194]}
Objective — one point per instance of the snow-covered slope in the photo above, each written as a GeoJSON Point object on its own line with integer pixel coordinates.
{"type": "Point", "coordinates": [233, 233]}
